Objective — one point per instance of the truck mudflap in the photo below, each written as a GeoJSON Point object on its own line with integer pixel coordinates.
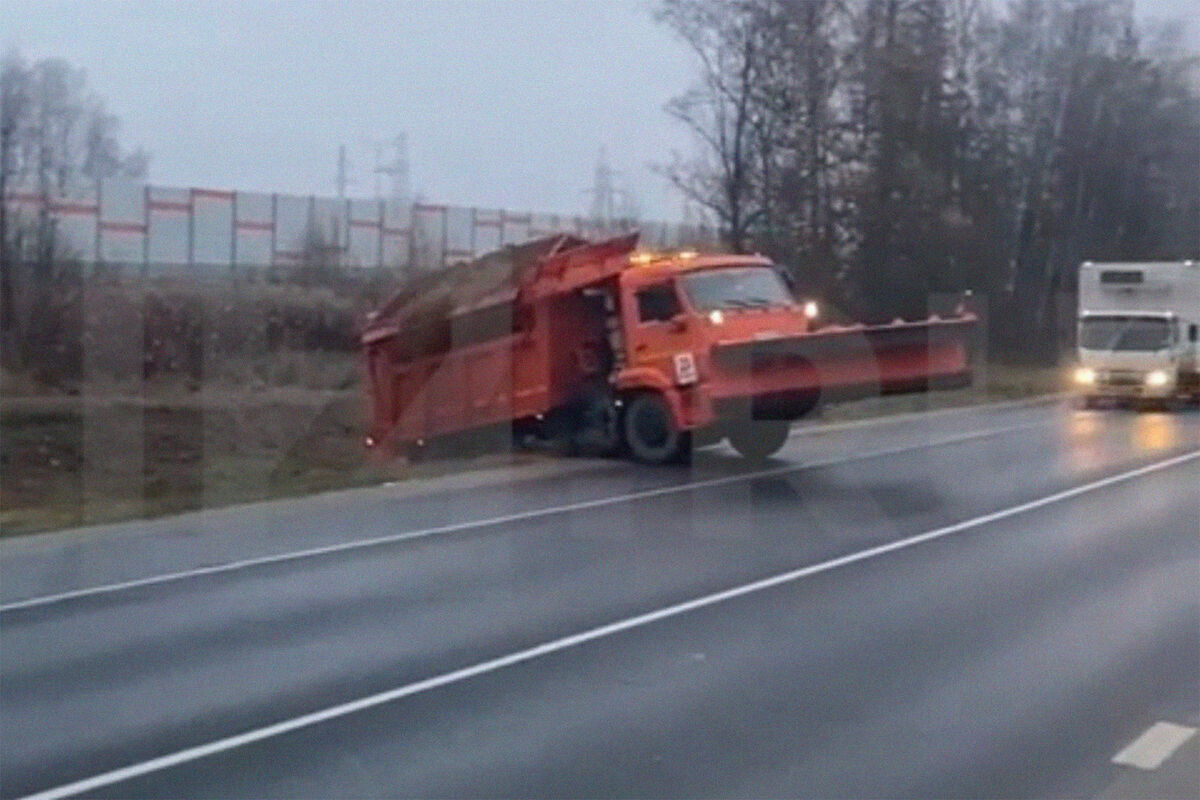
{"type": "Point", "coordinates": [845, 363]}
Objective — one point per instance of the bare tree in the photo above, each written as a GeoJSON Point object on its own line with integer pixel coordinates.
{"type": "Point", "coordinates": [798, 128]}
{"type": "Point", "coordinates": [722, 112]}
{"type": "Point", "coordinates": [55, 136]}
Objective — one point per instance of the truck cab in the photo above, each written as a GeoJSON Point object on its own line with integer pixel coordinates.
{"type": "Point", "coordinates": [677, 312]}
{"type": "Point", "coordinates": [1138, 331]}
{"type": "Point", "coordinates": [719, 347]}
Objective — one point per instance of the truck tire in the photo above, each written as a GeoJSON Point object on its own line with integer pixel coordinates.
{"type": "Point", "coordinates": [650, 431]}
{"type": "Point", "coordinates": [759, 440]}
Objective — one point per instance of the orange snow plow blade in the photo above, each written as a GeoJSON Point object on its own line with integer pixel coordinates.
{"type": "Point", "coordinates": [846, 363]}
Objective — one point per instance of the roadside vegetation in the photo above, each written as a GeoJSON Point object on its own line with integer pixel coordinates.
{"type": "Point", "coordinates": [156, 399]}
{"type": "Point", "coordinates": [895, 150]}
{"type": "Point", "coordinates": [891, 153]}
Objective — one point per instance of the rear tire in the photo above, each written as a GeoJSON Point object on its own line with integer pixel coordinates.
{"type": "Point", "coordinates": [650, 431]}
{"type": "Point", "coordinates": [758, 441]}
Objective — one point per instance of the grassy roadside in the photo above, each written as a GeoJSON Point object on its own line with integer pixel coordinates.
{"type": "Point", "coordinates": [85, 459]}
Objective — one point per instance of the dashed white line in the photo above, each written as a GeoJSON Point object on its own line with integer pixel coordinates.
{"type": "Point", "coordinates": [361, 704]}
{"type": "Point", "coordinates": [1155, 746]}
{"type": "Point", "coordinates": [403, 536]}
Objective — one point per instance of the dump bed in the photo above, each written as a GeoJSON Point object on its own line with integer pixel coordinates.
{"type": "Point", "coordinates": [482, 342]}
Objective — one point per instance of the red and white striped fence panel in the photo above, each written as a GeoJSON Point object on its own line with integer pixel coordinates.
{"type": "Point", "coordinates": [206, 232]}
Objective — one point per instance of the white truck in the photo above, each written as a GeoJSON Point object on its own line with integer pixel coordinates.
{"type": "Point", "coordinates": [1138, 331]}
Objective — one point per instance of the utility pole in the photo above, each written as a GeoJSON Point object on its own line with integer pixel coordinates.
{"type": "Point", "coordinates": [341, 231]}
{"type": "Point", "coordinates": [342, 177]}
{"type": "Point", "coordinates": [377, 172]}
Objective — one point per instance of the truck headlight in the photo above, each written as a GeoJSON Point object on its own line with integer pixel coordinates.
{"type": "Point", "coordinates": [811, 309]}
{"type": "Point", "coordinates": [1158, 378]}
{"type": "Point", "coordinates": [1085, 376]}
{"type": "Point", "coordinates": [716, 317]}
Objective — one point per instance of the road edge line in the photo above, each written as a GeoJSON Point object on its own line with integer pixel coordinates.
{"type": "Point", "coordinates": [573, 640]}
{"type": "Point", "coordinates": [41, 601]}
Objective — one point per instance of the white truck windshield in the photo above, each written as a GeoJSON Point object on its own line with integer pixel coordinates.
{"type": "Point", "coordinates": [1124, 333]}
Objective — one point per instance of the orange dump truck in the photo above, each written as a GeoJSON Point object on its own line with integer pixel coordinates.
{"type": "Point", "coordinates": [600, 348]}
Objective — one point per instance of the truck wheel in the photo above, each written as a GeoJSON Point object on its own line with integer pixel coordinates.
{"type": "Point", "coordinates": [759, 440]}
{"type": "Point", "coordinates": [650, 431]}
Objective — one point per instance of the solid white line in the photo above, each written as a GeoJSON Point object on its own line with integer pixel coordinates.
{"type": "Point", "coordinates": [333, 712]}
{"type": "Point", "coordinates": [392, 538]}
{"type": "Point", "coordinates": [1155, 746]}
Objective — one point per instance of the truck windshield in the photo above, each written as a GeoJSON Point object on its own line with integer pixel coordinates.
{"type": "Point", "coordinates": [736, 287]}
{"type": "Point", "coordinates": [1124, 333]}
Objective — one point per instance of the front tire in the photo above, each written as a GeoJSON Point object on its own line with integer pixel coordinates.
{"type": "Point", "coordinates": [650, 431]}
{"type": "Point", "coordinates": [759, 441]}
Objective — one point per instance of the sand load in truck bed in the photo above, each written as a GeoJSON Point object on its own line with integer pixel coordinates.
{"type": "Point", "coordinates": [422, 312]}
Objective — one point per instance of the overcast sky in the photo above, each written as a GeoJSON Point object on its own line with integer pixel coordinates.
{"type": "Point", "coordinates": [505, 103]}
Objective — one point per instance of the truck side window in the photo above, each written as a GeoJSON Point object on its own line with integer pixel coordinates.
{"type": "Point", "coordinates": [657, 303]}
{"type": "Point", "coordinates": [1193, 334]}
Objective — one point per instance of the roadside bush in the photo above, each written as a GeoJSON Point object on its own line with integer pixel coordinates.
{"type": "Point", "coordinates": [190, 331]}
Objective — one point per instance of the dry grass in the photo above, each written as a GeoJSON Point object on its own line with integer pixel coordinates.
{"type": "Point", "coordinates": [78, 460]}
{"type": "Point", "coordinates": [109, 456]}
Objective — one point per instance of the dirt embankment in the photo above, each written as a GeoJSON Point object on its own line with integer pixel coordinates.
{"type": "Point", "coordinates": [76, 460]}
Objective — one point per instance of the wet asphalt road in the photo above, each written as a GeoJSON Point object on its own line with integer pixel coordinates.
{"type": "Point", "coordinates": [1012, 657]}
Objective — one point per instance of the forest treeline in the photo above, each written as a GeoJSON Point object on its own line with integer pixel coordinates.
{"type": "Point", "coordinates": [891, 151]}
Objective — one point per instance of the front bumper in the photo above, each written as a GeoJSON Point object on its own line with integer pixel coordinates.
{"type": "Point", "coordinates": [1127, 385]}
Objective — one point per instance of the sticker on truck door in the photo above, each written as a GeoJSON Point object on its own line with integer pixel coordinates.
{"type": "Point", "coordinates": [685, 369]}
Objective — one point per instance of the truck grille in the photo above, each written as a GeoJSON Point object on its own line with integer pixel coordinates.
{"type": "Point", "coordinates": [1122, 378]}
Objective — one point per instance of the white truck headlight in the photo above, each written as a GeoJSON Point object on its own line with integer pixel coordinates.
{"type": "Point", "coordinates": [811, 309]}
{"type": "Point", "coordinates": [1157, 379]}
{"type": "Point", "coordinates": [1085, 376]}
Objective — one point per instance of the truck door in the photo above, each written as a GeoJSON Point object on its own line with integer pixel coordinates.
{"type": "Point", "coordinates": [659, 334]}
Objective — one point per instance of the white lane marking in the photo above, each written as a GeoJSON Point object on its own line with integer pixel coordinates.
{"type": "Point", "coordinates": [1155, 746]}
{"type": "Point", "coordinates": [392, 538]}
{"type": "Point", "coordinates": [333, 712]}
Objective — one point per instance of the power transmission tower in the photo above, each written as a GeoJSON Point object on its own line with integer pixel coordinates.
{"type": "Point", "coordinates": [396, 169]}
{"type": "Point", "coordinates": [602, 191]}
{"type": "Point", "coordinates": [610, 204]}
